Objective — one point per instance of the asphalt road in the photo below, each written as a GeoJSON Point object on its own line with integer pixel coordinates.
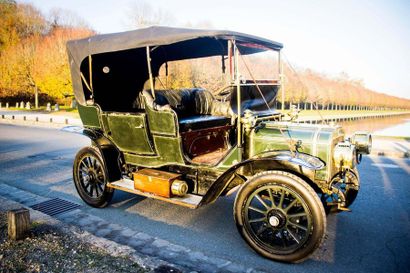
{"type": "Point", "coordinates": [374, 237]}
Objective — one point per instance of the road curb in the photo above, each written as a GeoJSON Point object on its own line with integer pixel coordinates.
{"type": "Point", "coordinates": [152, 252]}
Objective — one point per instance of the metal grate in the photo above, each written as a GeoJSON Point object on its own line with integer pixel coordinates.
{"type": "Point", "coordinates": [55, 206]}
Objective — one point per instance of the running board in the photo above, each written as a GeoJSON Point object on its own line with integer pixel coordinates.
{"type": "Point", "coordinates": [189, 200]}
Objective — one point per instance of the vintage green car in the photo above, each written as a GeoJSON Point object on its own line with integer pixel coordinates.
{"type": "Point", "coordinates": [153, 136]}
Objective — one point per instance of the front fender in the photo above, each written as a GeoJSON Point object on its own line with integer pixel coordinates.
{"type": "Point", "coordinates": [303, 165]}
{"type": "Point", "coordinates": [305, 160]}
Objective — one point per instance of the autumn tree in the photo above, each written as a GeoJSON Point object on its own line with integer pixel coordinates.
{"type": "Point", "coordinates": [19, 21]}
{"type": "Point", "coordinates": [33, 56]}
{"type": "Point", "coordinates": [51, 71]}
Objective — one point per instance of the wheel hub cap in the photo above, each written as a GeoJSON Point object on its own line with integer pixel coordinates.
{"type": "Point", "coordinates": [274, 221]}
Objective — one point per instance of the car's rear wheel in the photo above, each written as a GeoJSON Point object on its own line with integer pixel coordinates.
{"type": "Point", "coordinates": [280, 216]}
{"type": "Point", "coordinates": [90, 178]}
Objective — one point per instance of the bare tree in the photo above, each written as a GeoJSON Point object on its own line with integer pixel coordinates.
{"type": "Point", "coordinates": [143, 14]}
{"type": "Point", "coordinates": [59, 17]}
{"type": "Point", "coordinates": [31, 21]}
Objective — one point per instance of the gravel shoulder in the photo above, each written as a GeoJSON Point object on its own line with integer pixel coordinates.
{"type": "Point", "coordinates": [51, 246]}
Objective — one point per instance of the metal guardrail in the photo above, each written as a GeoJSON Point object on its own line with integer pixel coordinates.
{"type": "Point", "coordinates": [41, 119]}
{"type": "Point", "coordinates": [347, 117]}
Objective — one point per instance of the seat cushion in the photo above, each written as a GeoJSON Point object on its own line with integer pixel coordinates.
{"type": "Point", "coordinates": [199, 122]}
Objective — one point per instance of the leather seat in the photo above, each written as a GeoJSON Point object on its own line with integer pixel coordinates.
{"type": "Point", "coordinates": [199, 122]}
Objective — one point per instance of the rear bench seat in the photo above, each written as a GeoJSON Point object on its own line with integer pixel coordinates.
{"type": "Point", "coordinates": [196, 108]}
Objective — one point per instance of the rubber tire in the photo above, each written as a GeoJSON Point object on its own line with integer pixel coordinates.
{"type": "Point", "coordinates": [108, 193]}
{"type": "Point", "coordinates": [306, 192]}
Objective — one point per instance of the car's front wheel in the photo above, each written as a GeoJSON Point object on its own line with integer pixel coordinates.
{"type": "Point", "coordinates": [90, 178]}
{"type": "Point", "coordinates": [280, 216]}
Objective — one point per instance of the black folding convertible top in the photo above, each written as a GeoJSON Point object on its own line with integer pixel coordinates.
{"type": "Point", "coordinates": [175, 43]}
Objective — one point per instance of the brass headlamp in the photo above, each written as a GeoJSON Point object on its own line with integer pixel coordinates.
{"type": "Point", "coordinates": [363, 142]}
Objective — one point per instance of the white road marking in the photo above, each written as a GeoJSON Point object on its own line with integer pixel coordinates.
{"type": "Point", "coordinates": [397, 146]}
{"type": "Point", "coordinates": [385, 165]}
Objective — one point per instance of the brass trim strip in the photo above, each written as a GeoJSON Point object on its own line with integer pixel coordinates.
{"type": "Point", "coordinates": [151, 80]}
{"type": "Point", "coordinates": [90, 69]}
{"type": "Point", "coordinates": [85, 82]}
{"type": "Point", "coordinates": [315, 141]}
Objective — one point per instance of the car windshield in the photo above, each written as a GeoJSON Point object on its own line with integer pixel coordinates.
{"type": "Point", "coordinates": [259, 78]}
{"type": "Point", "coordinates": [263, 65]}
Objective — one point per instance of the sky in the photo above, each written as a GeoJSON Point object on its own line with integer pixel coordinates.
{"type": "Point", "coordinates": [368, 40]}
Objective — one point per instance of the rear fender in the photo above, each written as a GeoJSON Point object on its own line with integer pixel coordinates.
{"type": "Point", "coordinates": [250, 167]}
{"type": "Point", "coordinates": [110, 154]}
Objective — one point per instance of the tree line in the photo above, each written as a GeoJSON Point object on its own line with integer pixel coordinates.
{"type": "Point", "coordinates": [33, 59]}
{"type": "Point", "coordinates": [305, 85]}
